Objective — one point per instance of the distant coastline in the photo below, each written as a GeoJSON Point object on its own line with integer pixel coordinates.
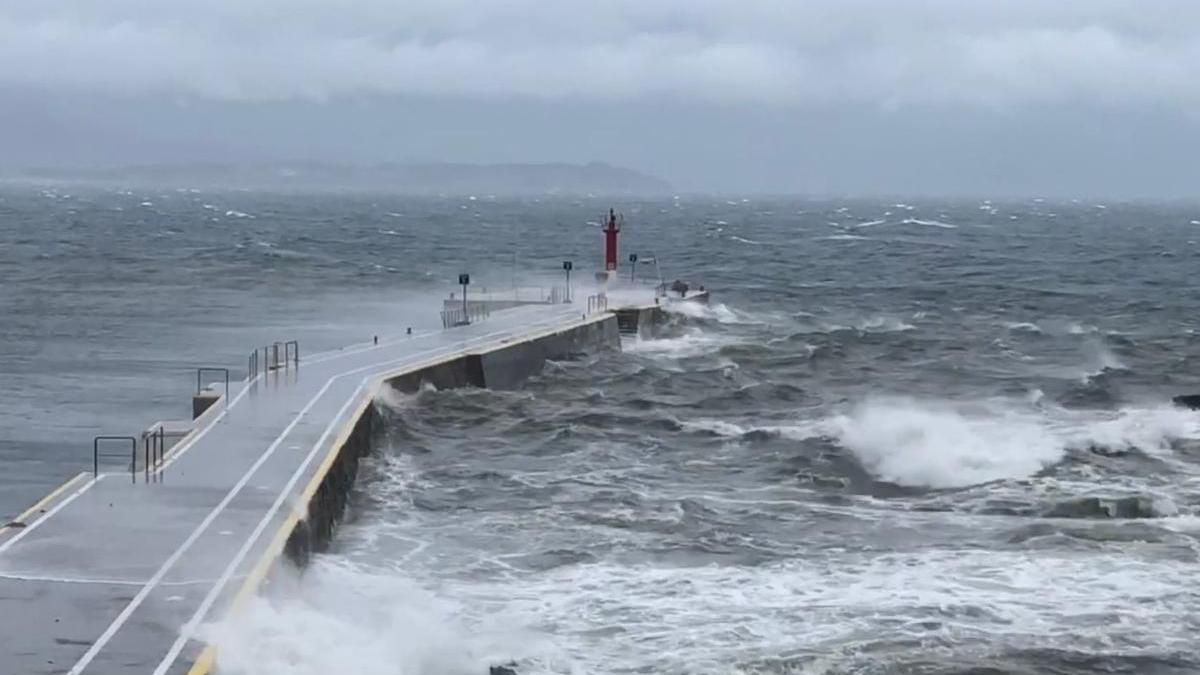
{"type": "Point", "coordinates": [406, 178]}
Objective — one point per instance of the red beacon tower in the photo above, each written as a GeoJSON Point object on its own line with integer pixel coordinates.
{"type": "Point", "coordinates": [610, 241]}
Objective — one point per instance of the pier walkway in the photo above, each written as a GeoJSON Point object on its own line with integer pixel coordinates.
{"type": "Point", "coordinates": [114, 575]}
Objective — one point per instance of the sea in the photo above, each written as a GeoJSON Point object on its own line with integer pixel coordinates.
{"type": "Point", "coordinates": [904, 436]}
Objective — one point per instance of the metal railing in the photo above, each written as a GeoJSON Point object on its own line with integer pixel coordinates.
{"type": "Point", "coordinates": [154, 448]}
{"type": "Point", "coordinates": [461, 317]}
{"type": "Point", "coordinates": [274, 356]}
{"type": "Point", "coordinates": [96, 454]}
{"type": "Point", "coordinates": [211, 369]}
{"type": "Point", "coordinates": [597, 303]}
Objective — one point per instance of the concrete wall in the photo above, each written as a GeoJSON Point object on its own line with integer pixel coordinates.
{"type": "Point", "coordinates": [645, 322]}
{"type": "Point", "coordinates": [509, 366]}
{"type": "Point", "coordinates": [328, 503]}
{"type": "Point", "coordinates": [450, 374]}
{"type": "Point", "coordinates": [503, 367]}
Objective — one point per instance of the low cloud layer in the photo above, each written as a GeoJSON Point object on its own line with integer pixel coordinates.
{"type": "Point", "coordinates": [778, 53]}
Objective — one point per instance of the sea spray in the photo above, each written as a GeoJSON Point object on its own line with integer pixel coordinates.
{"type": "Point", "coordinates": [933, 444]}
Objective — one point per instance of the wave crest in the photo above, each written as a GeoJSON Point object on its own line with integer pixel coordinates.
{"type": "Point", "coordinates": [933, 445]}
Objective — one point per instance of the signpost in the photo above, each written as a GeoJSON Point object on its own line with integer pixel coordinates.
{"type": "Point", "coordinates": [464, 280]}
{"type": "Point", "coordinates": [632, 266]}
{"type": "Point", "coordinates": [567, 265]}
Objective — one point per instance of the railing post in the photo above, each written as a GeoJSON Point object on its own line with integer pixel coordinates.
{"type": "Point", "coordinates": [213, 369]}
{"type": "Point", "coordinates": [132, 453]}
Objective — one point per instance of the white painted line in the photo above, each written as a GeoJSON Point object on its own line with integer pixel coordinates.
{"type": "Point", "coordinates": [140, 597]}
{"type": "Point", "coordinates": [158, 576]}
{"type": "Point", "coordinates": [101, 582]}
{"type": "Point", "coordinates": [57, 507]}
{"type": "Point", "coordinates": [181, 449]}
{"type": "Point", "coordinates": [189, 629]}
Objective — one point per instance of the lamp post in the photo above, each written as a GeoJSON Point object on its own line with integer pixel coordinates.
{"type": "Point", "coordinates": [464, 280]}
{"type": "Point", "coordinates": [567, 265]}
{"type": "Point", "coordinates": [632, 266]}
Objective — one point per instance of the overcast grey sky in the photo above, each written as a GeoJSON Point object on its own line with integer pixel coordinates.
{"type": "Point", "coordinates": [1051, 97]}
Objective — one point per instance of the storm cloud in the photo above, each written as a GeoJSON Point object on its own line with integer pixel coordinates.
{"type": "Point", "coordinates": [788, 54]}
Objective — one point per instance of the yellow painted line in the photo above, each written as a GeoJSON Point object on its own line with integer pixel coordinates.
{"type": "Point", "coordinates": [208, 656]}
{"type": "Point", "coordinates": [41, 503]}
{"type": "Point", "coordinates": [206, 661]}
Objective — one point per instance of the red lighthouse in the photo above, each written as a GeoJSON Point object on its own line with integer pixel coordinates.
{"type": "Point", "coordinates": [610, 241]}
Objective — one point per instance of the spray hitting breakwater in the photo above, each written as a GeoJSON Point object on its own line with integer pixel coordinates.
{"type": "Point", "coordinates": [684, 507]}
{"type": "Point", "coordinates": [900, 447]}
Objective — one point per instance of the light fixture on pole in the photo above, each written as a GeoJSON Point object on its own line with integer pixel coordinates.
{"type": "Point", "coordinates": [464, 280]}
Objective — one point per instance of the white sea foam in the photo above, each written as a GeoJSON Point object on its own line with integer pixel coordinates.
{"type": "Point", "coordinates": [614, 617]}
{"type": "Point", "coordinates": [844, 237]}
{"type": "Point", "coordinates": [929, 223]}
{"type": "Point", "coordinates": [1150, 429]}
{"type": "Point", "coordinates": [943, 444]}
{"type": "Point", "coordinates": [1023, 326]}
{"type": "Point", "coordinates": [719, 427]}
{"type": "Point", "coordinates": [692, 343]}
{"type": "Point", "coordinates": [733, 430]}
{"type": "Point", "coordinates": [935, 445]}
{"type": "Point", "coordinates": [873, 324]}
{"type": "Point", "coordinates": [345, 619]}
{"type": "Point", "coordinates": [715, 311]}
{"type": "Point", "coordinates": [1099, 358]}
{"type": "Point", "coordinates": [744, 240]}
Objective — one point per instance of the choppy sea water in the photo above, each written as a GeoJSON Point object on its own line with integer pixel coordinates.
{"type": "Point", "coordinates": [920, 437]}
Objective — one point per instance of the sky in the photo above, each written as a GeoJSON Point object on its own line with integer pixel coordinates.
{"type": "Point", "coordinates": [970, 97]}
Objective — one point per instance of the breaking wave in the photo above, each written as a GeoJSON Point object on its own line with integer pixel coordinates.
{"type": "Point", "coordinates": [345, 618]}
{"type": "Point", "coordinates": [934, 445]}
{"type": "Point", "coordinates": [942, 445]}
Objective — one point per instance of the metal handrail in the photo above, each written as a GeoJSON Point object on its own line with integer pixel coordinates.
{"type": "Point", "coordinates": [271, 356]}
{"type": "Point", "coordinates": [597, 303]}
{"type": "Point", "coordinates": [96, 454]}
{"type": "Point", "coordinates": [154, 444]}
{"type": "Point", "coordinates": [459, 317]}
{"type": "Point", "coordinates": [212, 369]}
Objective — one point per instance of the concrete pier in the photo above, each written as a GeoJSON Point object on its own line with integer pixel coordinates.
{"type": "Point", "coordinates": [110, 575]}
